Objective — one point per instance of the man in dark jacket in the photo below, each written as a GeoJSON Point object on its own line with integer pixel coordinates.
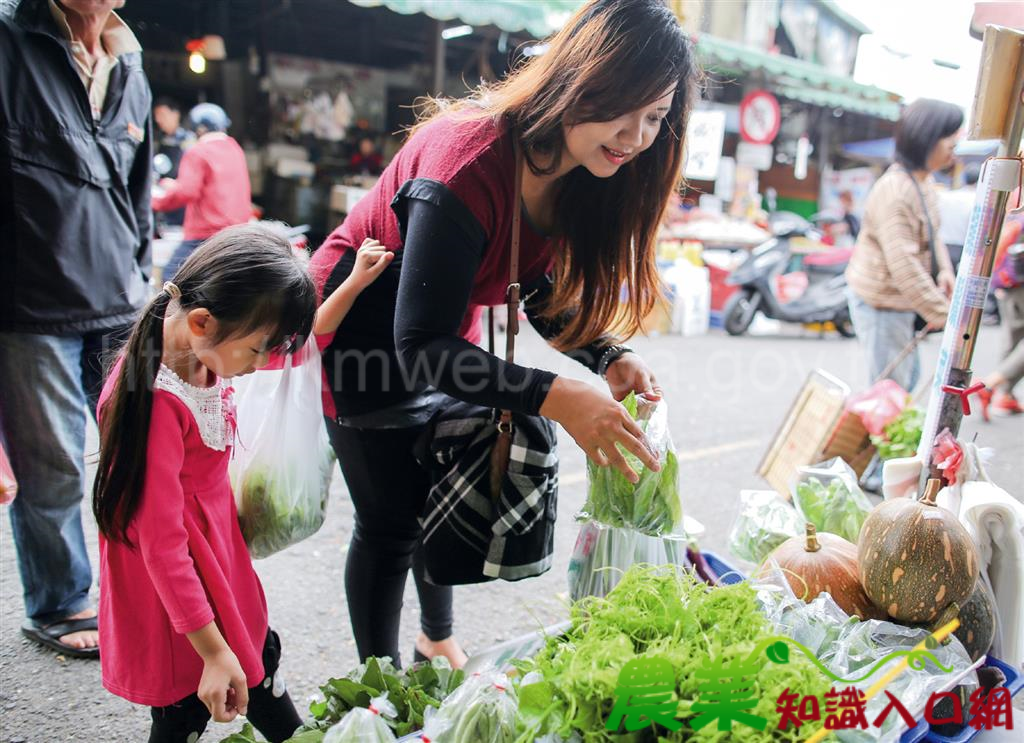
{"type": "Point", "coordinates": [75, 222]}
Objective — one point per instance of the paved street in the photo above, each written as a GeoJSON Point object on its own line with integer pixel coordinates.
{"type": "Point", "coordinates": [727, 396]}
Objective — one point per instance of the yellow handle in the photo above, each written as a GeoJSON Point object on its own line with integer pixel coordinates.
{"type": "Point", "coordinates": [938, 635]}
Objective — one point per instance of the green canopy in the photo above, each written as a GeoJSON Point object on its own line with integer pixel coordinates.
{"type": "Point", "coordinates": [538, 17]}
{"type": "Point", "coordinates": [797, 78]}
{"type": "Point", "coordinates": [790, 77]}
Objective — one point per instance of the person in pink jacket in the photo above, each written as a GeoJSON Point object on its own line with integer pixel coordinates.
{"type": "Point", "coordinates": [212, 184]}
{"type": "Point", "coordinates": [182, 615]}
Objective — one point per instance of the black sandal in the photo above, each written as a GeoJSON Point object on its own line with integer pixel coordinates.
{"type": "Point", "coordinates": [49, 635]}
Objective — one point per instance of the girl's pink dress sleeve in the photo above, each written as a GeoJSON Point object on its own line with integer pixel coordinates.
{"type": "Point", "coordinates": [160, 520]}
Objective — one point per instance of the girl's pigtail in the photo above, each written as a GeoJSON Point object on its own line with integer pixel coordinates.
{"type": "Point", "coordinates": [124, 425]}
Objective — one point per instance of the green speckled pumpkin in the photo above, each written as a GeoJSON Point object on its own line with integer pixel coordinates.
{"type": "Point", "coordinates": [915, 558]}
{"type": "Point", "coordinates": [977, 622]}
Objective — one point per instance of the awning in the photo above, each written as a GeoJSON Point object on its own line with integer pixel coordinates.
{"type": "Point", "coordinates": [880, 150]}
{"type": "Point", "coordinates": [538, 17]}
{"type": "Point", "coordinates": [798, 79]}
{"type": "Point", "coordinates": [792, 78]}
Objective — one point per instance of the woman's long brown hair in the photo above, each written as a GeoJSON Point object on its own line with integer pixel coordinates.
{"type": "Point", "coordinates": [612, 58]}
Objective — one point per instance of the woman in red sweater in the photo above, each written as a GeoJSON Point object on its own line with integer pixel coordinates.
{"type": "Point", "coordinates": [599, 119]}
{"type": "Point", "coordinates": [212, 184]}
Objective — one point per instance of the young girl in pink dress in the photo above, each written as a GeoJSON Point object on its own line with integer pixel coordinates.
{"type": "Point", "coordinates": [182, 616]}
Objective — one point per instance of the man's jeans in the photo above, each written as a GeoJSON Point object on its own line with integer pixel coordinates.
{"type": "Point", "coordinates": [46, 382]}
{"type": "Point", "coordinates": [883, 334]}
{"type": "Point", "coordinates": [180, 255]}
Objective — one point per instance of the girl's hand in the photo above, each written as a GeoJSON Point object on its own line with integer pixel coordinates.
{"type": "Point", "coordinates": [371, 260]}
{"type": "Point", "coordinates": [222, 687]}
{"type": "Point", "coordinates": [597, 423]}
{"type": "Point", "coordinates": [629, 373]}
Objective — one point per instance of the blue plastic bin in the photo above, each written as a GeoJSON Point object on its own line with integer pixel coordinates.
{"type": "Point", "coordinates": [1014, 682]}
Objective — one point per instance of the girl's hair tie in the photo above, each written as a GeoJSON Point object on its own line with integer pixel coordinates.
{"type": "Point", "coordinates": [172, 289]}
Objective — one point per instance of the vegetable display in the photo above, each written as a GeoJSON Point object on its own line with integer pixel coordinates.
{"type": "Point", "coordinates": [825, 563]}
{"type": "Point", "coordinates": [652, 506]}
{"type": "Point", "coordinates": [411, 691]}
{"type": "Point", "coordinates": [658, 612]}
{"type": "Point", "coordinates": [901, 436]}
{"type": "Point", "coordinates": [915, 558]}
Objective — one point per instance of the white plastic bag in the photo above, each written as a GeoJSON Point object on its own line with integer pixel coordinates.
{"type": "Point", "coordinates": [365, 725]}
{"type": "Point", "coordinates": [282, 465]}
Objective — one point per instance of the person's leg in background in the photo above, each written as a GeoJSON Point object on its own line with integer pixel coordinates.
{"type": "Point", "coordinates": [388, 488]}
{"type": "Point", "coordinates": [883, 335]}
{"type": "Point", "coordinates": [99, 349]}
{"type": "Point", "coordinates": [998, 395]}
{"type": "Point", "coordinates": [42, 412]}
{"type": "Point", "coordinates": [179, 256]}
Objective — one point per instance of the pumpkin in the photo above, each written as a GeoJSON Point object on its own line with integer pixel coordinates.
{"type": "Point", "coordinates": [977, 622]}
{"type": "Point", "coordinates": [916, 558]}
{"type": "Point", "coordinates": [817, 563]}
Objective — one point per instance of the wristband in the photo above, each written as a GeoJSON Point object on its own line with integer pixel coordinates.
{"type": "Point", "coordinates": [609, 357]}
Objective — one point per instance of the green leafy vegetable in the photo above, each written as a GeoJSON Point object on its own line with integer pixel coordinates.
{"type": "Point", "coordinates": [411, 691]}
{"type": "Point", "coordinates": [765, 521]}
{"type": "Point", "coordinates": [837, 508]}
{"type": "Point", "coordinates": [651, 506]}
{"type": "Point", "coordinates": [659, 613]}
{"type": "Point", "coordinates": [483, 710]}
{"type": "Point", "coordinates": [272, 516]}
{"type": "Point", "coordinates": [901, 436]}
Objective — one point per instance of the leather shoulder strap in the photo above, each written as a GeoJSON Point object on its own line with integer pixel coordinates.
{"type": "Point", "coordinates": [512, 293]}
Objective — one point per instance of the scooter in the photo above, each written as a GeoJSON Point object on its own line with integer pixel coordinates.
{"type": "Point", "coordinates": [824, 299]}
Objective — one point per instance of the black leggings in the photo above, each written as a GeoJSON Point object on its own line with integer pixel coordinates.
{"type": "Point", "coordinates": [274, 716]}
{"type": "Point", "coordinates": [388, 488]}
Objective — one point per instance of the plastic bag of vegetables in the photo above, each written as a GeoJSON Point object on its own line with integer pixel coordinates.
{"type": "Point", "coordinates": [482, 710]}
{"type": "Point", "coordinates": [764, 522]}
{"type": "Point", "coordinates": [827, 495]}
{"type": "Point", "coordinates": [603, 554]}
{"type": "Point", "coordinates": [364, 724]}
{"type": "Point", "coordinates": [282, 465]}
{"type": "Point", "coordinates": [653, 505]}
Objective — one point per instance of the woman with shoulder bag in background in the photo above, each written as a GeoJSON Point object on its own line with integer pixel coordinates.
{"type": "Point", "coordinates": [595, 126]}
{"type": "Point", "coordinates": [900, 270]}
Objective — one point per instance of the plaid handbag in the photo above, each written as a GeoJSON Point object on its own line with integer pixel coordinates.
{"type": "Point", "coordinates": [491, 508]}
{"type": "Point", "coordinates": [472, 534]}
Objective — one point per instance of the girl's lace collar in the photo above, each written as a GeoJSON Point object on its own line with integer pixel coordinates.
{"type": "Point", "coordinates": [212, 407]}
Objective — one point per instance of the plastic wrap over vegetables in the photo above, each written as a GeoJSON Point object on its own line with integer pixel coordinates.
{"type": "Point", "coordinates": [282, 465]}
{"type": "Point", "coordinates": [603, 554]}
{"type": "Point", "coordinates": [653, 505]}
{"type": "Point", "coordinates": [827, 495]}
{"type": "Point", "coordinates": [364, 725]}
{"type": "Point", "coordinates": [482, 710]}
{"type": "Point", "coordinates": [765, 521]}
{"type": "Point", "coordinates": [850, 648]}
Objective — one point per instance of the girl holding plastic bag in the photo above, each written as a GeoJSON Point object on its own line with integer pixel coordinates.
{"type": "Point", "coordinates": [182, 616]}
{"type": "Point", "coordinates": [282, 466]}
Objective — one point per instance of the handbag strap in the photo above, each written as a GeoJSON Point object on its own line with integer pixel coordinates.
{"type": "Point", "coordinates": [927, 221]}
{"type": "Point", "coordinates": [513, 291]}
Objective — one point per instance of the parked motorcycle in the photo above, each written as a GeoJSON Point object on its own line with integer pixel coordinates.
{"type": "Point", "coordinates": [768, 267]}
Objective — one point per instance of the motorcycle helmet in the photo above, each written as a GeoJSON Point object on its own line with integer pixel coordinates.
{"type": "Point", "coordinates": [210, 117]}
